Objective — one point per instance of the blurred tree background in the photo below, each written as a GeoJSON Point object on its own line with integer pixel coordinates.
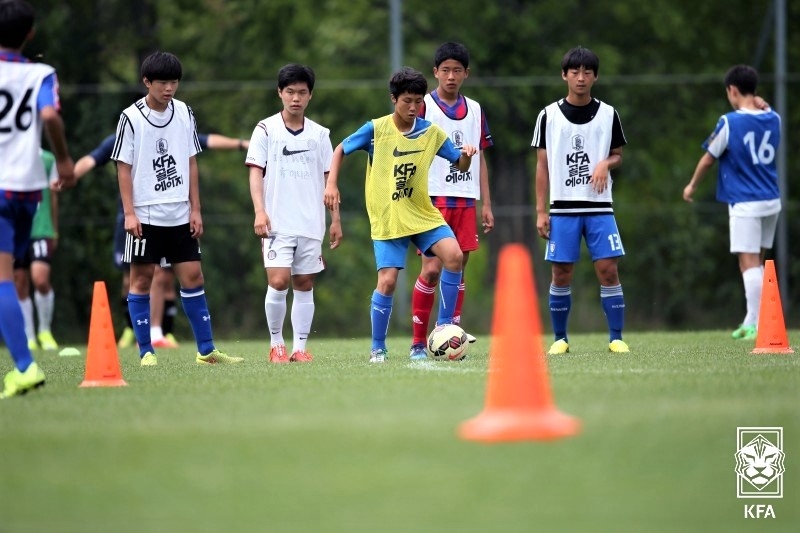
{"type": "Point", "coordinates": [662, 64]}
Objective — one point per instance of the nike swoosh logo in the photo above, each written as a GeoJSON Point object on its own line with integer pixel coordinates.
{"type": "Point", "coordinates": [398, 153]}
{"type": "Point", "coordinates": [286, 151]}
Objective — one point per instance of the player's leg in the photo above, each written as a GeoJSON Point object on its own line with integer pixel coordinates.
{"type": "Point", "coordinates": [16, 217]}
{"type": "Point", "coordinates": [143, 260]}
{"type": "Point", "coordinates": [170, 308]}
{"type": "Point", "coordinates": [43, 295]}
{"type": "Point", "coordinates": [127, 337]}
{"type": "Point", "coordinates": [463, 221]}
{"type": "Point", "coordinates": [307, 264]}
{"type": "Point", "coordinates": [22, 283]}
{"type": "Point", "coordinates": [157, 307]}
{"type": "Point", "coordinates": [422, 298]}
{"type": "Point", "coordinates": [605, 247]}
{"type": "Point", "coordinates": [390, 257]}
{"type": "Point", "coordinates": [567, 232]}
{"type": "Point", "coordinates": [184, 255]}
{"type": "Point", "coordinates": [278, 254]}
{"type": "Point", "coordinates": [441, 242]}
{"type": "Point", "coordinates": [746, 240]}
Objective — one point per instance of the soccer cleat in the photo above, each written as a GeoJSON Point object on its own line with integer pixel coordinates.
{"type": "Point", "coordinates": [126, 339]}
{"type": "Point", "coordinates": [33, 345]}
{"type": "Point", "coordinates": [277, 354]}
{"type": "Point", "coordinates": [470, 338]}
{"type": "Point", "coordinates": [300, 356]}
{"type": "Point", "coordinates": [215, 357]}
{"type": "Point", "coordinates": [171, 338]}
{"type": "Point", "coordinates": [559, 347]}
{"type": "Point", "coordinates": [17, 383]}
{"type": "Point", "coordinates": [148, 359]}
{"type": "Point", "coordinates": [418, 352]}
{"type": "Point", "coordinates": [378, 355]}
{"type": "Point", "coordinates": [164, 342]}
{"type": "Point", "coordinates": [46, 341]}
{"type": "Point", "coordinates": [744, 332]}
{"type": "Point", "coordinates": [618, 346]}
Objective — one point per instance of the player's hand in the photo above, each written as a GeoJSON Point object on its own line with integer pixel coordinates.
{"type": "Point", "coordinates": [688, 191]}
{"type": "Point", "coordinates": [262, 225]}
{"type": "Point", "coordinates": [331, 197]}
{"type": "Point", "coordinates": [543, 225]}
{"type": "Point", "coordinates": [66, 174]}
{"type": "Point", "coordinates": [760, 103]}
{"type": "Point", "coordinates": [487, 219]}
{"type": "Point", "coordinates": [133, 226]}
{"type": "Point", "coordinates": [335, 234]}
{"type": "Point", "coordinates": [600, 178]}
{"type": "Point", "coordinates": [196, 224]}
{"type": "Point", "coordinates": [469, 150]}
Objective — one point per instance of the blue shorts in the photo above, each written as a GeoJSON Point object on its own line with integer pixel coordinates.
{"type": "Point", "coordinates": [600, 231]}
{"type": "Point", "coordinates": [16, 221]}
{"type": "Point", "coordinates": [392, 253]}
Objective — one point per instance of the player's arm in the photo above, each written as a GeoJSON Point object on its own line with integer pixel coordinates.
{"type": "Point", "coordinates": [54, 128]}
{"type": "Point", "coordinates": [84, 165]}
{"type": "Point", "coordinates": [703, 166]}
{"type": "Point", "coordinates": [542, 194]}
{"type": "Point", "coordinates": [601, 169]}
{"type": "Point", "coordinates": [195, 218]}
{"type": "Point", "coordinates": [221, 142]}
{"type": "Point", "coordinates": [332, 198]}
{"type": "Point", "coordinates": [487, 217]}
{"type": "Point", "coordinates": [335, 231]}
{"type": "Point", "coordinates": [125, 179]}
{"type": "Point", "coordinates": [262, 224]}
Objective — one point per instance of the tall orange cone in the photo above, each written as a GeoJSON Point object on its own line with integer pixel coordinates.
{"type": "Point", "coordinates": [519, 404]}
{"type": "Point", "coordinates": [771, 337]}
{"type": "Point", "coordinates": [102, 359]}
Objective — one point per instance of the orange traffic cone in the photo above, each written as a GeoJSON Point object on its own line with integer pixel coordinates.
{"type": "Point", "coordinates": [102, 359]}
{"type": "Point", "coordinates": [519, 405]}
{"type": "Point", "coordinates": [771, 337]}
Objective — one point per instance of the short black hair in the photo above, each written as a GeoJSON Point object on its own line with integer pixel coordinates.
{"type": "Point", "coordinates": [451, 50]}
{"type": "Point", "coordinates": [408, 80]}
{"type": "Point", "coordinates": [161, 66]}
{"type": "Point", "coordinates": [16, 22]}
{"type": "Point", "coordinates": [295, 73]}
{"type": "Point", "coordinates": [580, 57]}
{"type": "Point", "coordinates": [743, 77]}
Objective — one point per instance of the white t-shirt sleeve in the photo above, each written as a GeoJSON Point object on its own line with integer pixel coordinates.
{"type": "Point", "coordinates": [718, 142]}
{"type": "Point", "coordinates": [258, 151]}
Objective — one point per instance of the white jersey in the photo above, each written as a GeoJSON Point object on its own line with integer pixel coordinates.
{"type": "Point", "coordinates": [573, 151]}
{"type": "Point", "coordinates": [295, 164]}
{"type": "Point", "coordinates": [444, 178]}
{"type": "Point", "coordinates": [21, 167]}
{"type": "Point", "coordinates": [158, 146]}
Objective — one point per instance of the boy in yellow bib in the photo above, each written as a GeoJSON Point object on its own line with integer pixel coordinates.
{"type": "Point", "coordinates": [401, 148]}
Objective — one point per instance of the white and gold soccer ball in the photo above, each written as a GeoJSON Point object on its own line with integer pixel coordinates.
{"type": "Point", "coordinates": [448, 342]}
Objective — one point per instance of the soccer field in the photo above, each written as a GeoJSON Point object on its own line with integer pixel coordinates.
{"type": "Point", "coordinates": [342, 445]}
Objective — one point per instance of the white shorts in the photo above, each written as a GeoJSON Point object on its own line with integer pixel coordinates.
{"type": "Point", "coordinates": [301, 254]}
{"type": "Point", "coordinates": [750, 234]}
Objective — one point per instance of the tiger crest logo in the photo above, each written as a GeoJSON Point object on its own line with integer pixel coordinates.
{"type": "Point", "coordinates": [760, 463]}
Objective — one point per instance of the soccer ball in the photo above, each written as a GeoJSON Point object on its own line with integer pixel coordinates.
{"type": "Point", "coordinates": [448, 342]}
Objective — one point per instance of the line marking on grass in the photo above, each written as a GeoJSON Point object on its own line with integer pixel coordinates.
{"type": "Point", "coordinates": [436, 366]}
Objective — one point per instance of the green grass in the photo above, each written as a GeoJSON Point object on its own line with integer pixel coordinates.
{"type": "Point", "coordinates": [341, 445]}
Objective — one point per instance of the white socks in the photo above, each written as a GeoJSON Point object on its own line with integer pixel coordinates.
{"type": "Point", "coordinates": [753, 278]}
{"type": "Point", "coordinates": [44, 309]}
{"type": "Point", "coordinates": [27, 313]}
{"type": "Point", "coordinates": [302, 315]}
{"type": "Point", "coordinates": [275, 309]}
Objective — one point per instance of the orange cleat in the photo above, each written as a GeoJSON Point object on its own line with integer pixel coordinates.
{"type": "Point", "coordinates": [277, 354]}
{"type": "Point", "coordinates": [301, 357]}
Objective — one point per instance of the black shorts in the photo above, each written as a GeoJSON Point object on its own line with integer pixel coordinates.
{"type": "Point", "coordinates": [170, 244]}
{"type": "Point", "coordinates": [38, 250]}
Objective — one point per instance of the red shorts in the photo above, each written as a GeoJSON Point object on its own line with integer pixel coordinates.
{"type": "Point", "coordinates": [464, 223]}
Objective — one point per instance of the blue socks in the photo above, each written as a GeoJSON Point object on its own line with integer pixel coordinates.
{"type": "Point", "coordinates": [614, 307]}
{"type": "Point", "coordinates": [196, 309]}
{"type": "Point", "coordinates": [139, 309]}
{"type": "Point", "coordinates": [12, 326]}
{"type": "Point", "coordinates": [448, 295]}
{"type": "Point", "coordinates": [560, 305]}
{"type": "Point", "coordinates": [380, 312]}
